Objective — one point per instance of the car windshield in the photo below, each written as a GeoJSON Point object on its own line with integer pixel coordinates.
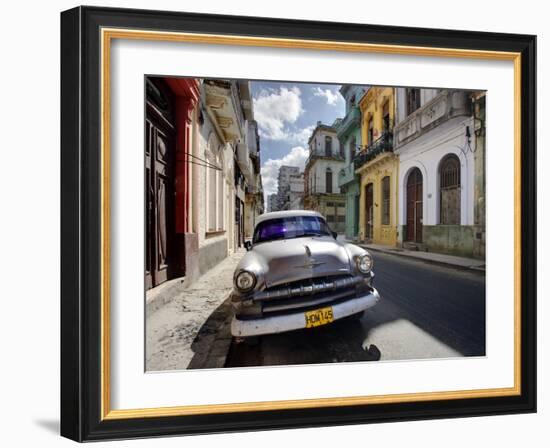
{"type": "Point", "coordinates": [290, 227]}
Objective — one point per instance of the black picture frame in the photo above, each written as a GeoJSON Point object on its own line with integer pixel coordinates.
{"type": "Point", "coordinates": [81, 224]}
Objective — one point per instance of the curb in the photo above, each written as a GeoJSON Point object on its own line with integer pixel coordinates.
{"type": "Point", "coordinates": [164, 294]}
{"type": "Point", "coordinates": [478, 269]}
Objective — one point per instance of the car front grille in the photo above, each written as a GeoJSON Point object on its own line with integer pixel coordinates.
{"type": "Point", "coordinates": [308, 294]}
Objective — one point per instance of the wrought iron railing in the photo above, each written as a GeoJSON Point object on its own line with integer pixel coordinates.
{"type": "Point", "coordinates": [322, 155]}
{"type": "Point", "coordinates": [381, 145]}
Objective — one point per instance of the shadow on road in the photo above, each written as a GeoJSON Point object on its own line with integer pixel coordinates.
{"type": "Point", "coordinates": [425, 312]}
{"type": "Point", "coordinates": [338, 342]}
{"type": "Point", "coordinates": [447, 304]}
{"type": "Point", "coordinates": [211, 344]}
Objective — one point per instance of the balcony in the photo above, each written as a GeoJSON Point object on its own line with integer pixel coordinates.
{"type": "Point", "coordinates": [446, 105]}
{"type": "Point", "coordinates": [348, 176]}
{"type": "Point", "coordinates": [223, 106]}
{"type": "Point", "coordinates": [322, 155]}
{"type": "Point", "coordinates": [383, 144]}
{"type": "Point", "coordinates": [351, 120]}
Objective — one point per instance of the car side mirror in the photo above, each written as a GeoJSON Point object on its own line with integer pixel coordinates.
{"type": "Point", "coordinates": [247, 245]}
{"type": "Point", "coordinates": [334, 234]}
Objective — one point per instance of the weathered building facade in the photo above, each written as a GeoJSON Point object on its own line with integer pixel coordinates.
{"type": "Point", "coordinates": [195, 180]}
{"type": "Point", "coordinates": [272, 203]}
{"type": "Point", "coordinates": [284, 186]}
{"type": "Point", "coordinates": [378, 168]}
{"type": "Point", "coordinates": [440, 157]}
{"type": "Point", "coordinates": [296, 192]}
{"type": "Point", "coordinates": [323, 166]}
{"type": "Point", "coordinates": [350, 137]}
{"type": "Point", "coordinates": [170, 133]}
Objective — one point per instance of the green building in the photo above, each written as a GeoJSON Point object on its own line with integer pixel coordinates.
{"type": "Point", "coordinates": [349, 135]}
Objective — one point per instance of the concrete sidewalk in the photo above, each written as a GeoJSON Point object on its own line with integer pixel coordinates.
{"type": "Point", "coordinates": [429, 257]}
{"type": "Point", "coordinates": [190, 329]}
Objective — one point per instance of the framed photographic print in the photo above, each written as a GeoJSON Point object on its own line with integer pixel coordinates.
{"type": "Point", "coordinates": [275, 224]}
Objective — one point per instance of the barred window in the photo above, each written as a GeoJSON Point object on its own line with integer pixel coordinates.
{"type": "Point", "coordinates": [328, 181]}
{"type": "Point", "coordinates": [386, 201]}
{"type": "Point", "coordinates": [449, 185]}
{"type": "Point", "coordinates": [413, 100]}
{"type": "Point", "coordinates": [328, 146]}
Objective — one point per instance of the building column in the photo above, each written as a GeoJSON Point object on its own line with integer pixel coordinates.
{"type": "Point", "coordinates": [186, 92]}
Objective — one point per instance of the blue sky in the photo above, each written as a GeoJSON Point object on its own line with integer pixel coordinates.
{"type": "Point", "coordinates": [287, 114]}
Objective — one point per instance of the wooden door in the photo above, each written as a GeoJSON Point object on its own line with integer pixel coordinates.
{"type": "Point", "coordinates": [159, 184]}
{"type": "Point", "coordinates": [369, 211]}
{"type": "Point", "coordinates": [414, 206]}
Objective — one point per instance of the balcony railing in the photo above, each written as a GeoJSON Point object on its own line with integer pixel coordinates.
{"type": "Point", "coordinates": [322, 155]}
{"type": "Point", "coordinates": [381, 145]}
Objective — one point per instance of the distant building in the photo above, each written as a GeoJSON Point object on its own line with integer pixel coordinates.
{"type": "Point", "coordinates": [323, 167]}
{"type": "Point", "coordinates": [296, 192]}
{"type": "Point", "coordinates": [283, 189]}
{"type": "Point", "coordinates": [272, 205]}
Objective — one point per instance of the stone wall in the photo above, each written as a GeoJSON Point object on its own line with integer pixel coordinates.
{"type": "Point", "coordinates": [211, 254]}
{"type": "Point", "coordinates": [450, 239]}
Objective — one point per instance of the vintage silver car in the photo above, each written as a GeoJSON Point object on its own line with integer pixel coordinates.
{"type": "Point", "coordinates": [297, 275]}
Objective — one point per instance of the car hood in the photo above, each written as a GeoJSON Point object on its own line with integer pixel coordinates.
{"type": "Point", "coordinates": [300, 258]}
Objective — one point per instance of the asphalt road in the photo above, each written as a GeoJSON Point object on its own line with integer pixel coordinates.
{"type": "Point", "coordinates": [426, 311]}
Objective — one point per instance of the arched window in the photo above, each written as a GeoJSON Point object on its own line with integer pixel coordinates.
{"type": "Point", "coordinates": [386, 201]}
{"type": "Point", "coordinates": [328, 146]}
{"type": "Point", "coordinates": [449, 187]}
{"type": "Point", "coordinates": [328, 180]}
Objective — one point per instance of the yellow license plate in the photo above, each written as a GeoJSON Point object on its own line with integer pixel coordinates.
{"type": "Point", "coordinates": [322, 316]}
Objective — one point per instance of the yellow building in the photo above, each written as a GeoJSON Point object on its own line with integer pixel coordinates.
{"type": "Point", "coordinates": [377, 167]}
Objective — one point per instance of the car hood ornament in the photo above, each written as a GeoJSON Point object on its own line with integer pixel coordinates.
{"type": "Point", "coordinates": [310, 262]}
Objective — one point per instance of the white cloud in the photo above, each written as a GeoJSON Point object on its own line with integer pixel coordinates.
{"type": "Point", "coordinates": [270, 169]}
{"type": "Point", "coordinates": [330, 96]}
{"type": "Point", "coordinates": [275, 109]}
{"type": "Point", "coordinates": [302, 136]}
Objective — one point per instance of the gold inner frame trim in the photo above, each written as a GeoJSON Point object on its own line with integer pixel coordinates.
{"type": "Point", "coordinates": [107, 35]}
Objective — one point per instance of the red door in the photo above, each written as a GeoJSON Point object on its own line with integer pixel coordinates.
{"type": "Point", "coordinates": [414, 206]}
{"type": "Point", "coordinates": [369, 211]}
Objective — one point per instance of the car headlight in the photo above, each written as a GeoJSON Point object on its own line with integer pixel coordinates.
{"type": "Point", "coordinates": [364, 263]}
{"type": "Point", "coordinates": [245, 281]}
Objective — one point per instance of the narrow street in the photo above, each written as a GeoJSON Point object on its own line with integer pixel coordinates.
{"type": "Point", "coordinates": [426, 311]}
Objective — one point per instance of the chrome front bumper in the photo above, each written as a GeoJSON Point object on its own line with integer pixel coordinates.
{"type": "Point", "coordinates": [296, 321]}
